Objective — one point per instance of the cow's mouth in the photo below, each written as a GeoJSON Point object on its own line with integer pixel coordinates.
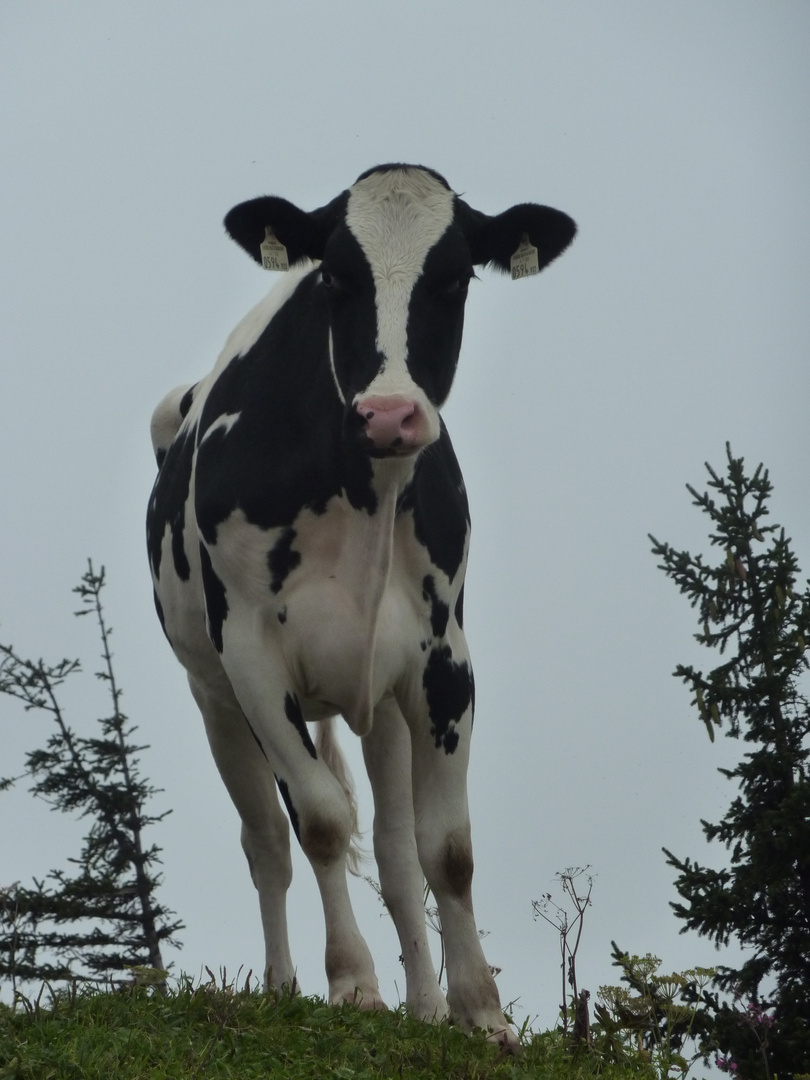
{"type": "Point", "coordinates": [393, 451]}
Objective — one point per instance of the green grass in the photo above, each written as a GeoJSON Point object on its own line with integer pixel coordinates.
{"type": "Point", "coordinates": [211, 1031]}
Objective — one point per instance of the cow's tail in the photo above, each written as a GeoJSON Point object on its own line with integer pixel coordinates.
{"type": "Point", "coordinates": [328, 748]}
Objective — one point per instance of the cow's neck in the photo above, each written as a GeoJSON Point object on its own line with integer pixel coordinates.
{"type": "Point", "coordinates": [364, 562]}
{"type": "Point", "coordinates": [366, 565]}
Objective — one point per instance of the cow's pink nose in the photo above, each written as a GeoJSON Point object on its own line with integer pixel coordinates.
{"type": "Point", "coordinates": [390, 422]}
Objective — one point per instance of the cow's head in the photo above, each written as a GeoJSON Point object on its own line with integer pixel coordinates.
{"type": "Point", "coordinates": [397, 252]}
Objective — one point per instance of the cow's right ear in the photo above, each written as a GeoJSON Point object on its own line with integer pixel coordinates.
{"type": "Point", "coordinates": [303, 234]}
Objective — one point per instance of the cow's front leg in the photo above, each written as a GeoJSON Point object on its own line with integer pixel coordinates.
{"type": "Point", "coordinates": [350, 971]}
{"type": "Point", "coordinates": [387, 752]}
{"type": "Point", "coordinates": [317, 806]}
{"type": "Point", "coordinates": [441, 726]}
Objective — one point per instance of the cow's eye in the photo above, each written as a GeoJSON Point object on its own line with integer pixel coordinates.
{"type": "Point", "coordinates": [457, 287]}
{"type": "Point", "coordinates": [327, 277]}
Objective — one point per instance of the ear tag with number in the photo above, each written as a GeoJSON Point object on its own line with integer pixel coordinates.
{"type": "Point", "coordinates": [273, 252]}
{"type": "Point", "coordinates": [524, 262]}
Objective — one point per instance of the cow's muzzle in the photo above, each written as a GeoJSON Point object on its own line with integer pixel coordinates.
{"type": "Point", "coordinates": [393, 425]}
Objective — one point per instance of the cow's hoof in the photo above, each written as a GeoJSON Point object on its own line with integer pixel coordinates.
{"type": "Point", "coordinates": [506, 1039]}
{"type": "Point", "coordinates": [361, 1000]}
{"type": "Point", "coordinates": [432, 1012]}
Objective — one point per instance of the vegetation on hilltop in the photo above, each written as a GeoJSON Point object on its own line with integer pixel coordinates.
{"type": "Point", "coordinates": [215, 1031]}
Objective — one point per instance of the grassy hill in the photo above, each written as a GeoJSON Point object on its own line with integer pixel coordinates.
{"type": "Point", "coordinates": [213, 1031]}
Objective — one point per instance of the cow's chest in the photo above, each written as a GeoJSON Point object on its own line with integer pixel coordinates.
{"type": "Point", "coordinates": [348, 601]}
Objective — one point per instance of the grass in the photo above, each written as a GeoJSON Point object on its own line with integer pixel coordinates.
{"type": "Point", "coordinates": [215, 1031]}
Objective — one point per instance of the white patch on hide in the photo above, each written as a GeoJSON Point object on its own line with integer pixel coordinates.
{"type": "Point", "coordinates": [224, 422]}
{"type": "Point", "coordinates": [167, 418]}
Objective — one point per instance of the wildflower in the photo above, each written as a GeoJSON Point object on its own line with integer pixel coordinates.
{"type": "Point", "coordinates": [756, 1015]}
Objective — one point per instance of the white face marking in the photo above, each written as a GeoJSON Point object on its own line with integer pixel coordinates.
{"type": "Point", "coordinates": [397, 217]}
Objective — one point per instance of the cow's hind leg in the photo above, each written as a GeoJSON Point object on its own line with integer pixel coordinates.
{"type": "Point", "coordinates": [265, 830]}
{"type": "Point", "coordinates": [387, 752]}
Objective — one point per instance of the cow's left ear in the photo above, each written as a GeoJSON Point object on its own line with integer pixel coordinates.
{"type": "Point", "coordinates": [495, 239]}
{"type": "Point", "coordinates": [303, 233]}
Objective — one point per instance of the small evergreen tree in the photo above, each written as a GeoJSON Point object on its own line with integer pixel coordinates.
{"type": "Point", "coordinates": [104, 918]}
{"type": "Point", "coordinates": [751, 612]}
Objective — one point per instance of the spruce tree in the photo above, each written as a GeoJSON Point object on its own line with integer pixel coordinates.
{"type": "Point", "coordinates": [103, 918]}
{"type": "Point", "coordinates": [754, 614]}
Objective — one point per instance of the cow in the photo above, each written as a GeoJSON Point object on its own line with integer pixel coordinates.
{"type": "Point", "coordinates": [308, 535]}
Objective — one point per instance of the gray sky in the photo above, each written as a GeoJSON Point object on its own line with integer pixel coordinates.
{"type": "Point", "coordinates": [678, 137]}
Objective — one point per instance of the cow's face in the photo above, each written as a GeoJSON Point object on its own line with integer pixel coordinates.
{"type": "Point", "coordinates": [397, 252]}
{"type": "Point", "coordinates": [395, 273]}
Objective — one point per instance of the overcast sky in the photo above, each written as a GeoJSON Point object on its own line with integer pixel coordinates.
{"type": "Point", "coordinates": [678, 137]}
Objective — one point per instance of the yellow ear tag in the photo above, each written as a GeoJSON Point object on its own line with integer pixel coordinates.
{"type": "Point", "coordinates": [273, 252]}
{"type": "Point", "coordinates": [524, 263]}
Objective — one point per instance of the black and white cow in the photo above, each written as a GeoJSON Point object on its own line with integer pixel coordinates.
{"type": "Point", "coordinates": [308, 536]}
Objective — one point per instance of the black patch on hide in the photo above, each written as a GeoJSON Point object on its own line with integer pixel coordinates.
{"type": "Point", "coordinates": [186, 400]}
{"type": "Point", "coordinates": [438, 501]}
{"type": "Point", "coordinates": [439, 611]}
{"type": "Point", "coordinates": [216, 603]}
{"type": "Point", "coordinates": [293, 815]}
{"type": "Point", "coordinates": [256, 738]}
{"type": "Point", "coordinates": [448, 689]}
{"type": "Point", "coordinates": [459, 609]}
{"type": "Point", "coordinates": [282, 560]}
{"type": "Point", "coordinates": [167, 506]}
{"type": "Point", "coordinates": [292, 709]}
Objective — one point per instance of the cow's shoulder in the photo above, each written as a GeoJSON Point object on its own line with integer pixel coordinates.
{"type": "Point", "coordinates": [176, 428]}
{"type": "Point", "coordinates": [270, 437]}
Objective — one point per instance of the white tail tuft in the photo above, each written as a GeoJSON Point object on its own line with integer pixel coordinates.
{"type": "Point", "coordinates": [328, 748]}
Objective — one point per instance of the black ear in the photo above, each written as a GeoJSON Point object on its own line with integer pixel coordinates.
{"type": "Point", "coordinates": [303, 234]}
{"type": "Point", "coordinates": [496, 239]}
